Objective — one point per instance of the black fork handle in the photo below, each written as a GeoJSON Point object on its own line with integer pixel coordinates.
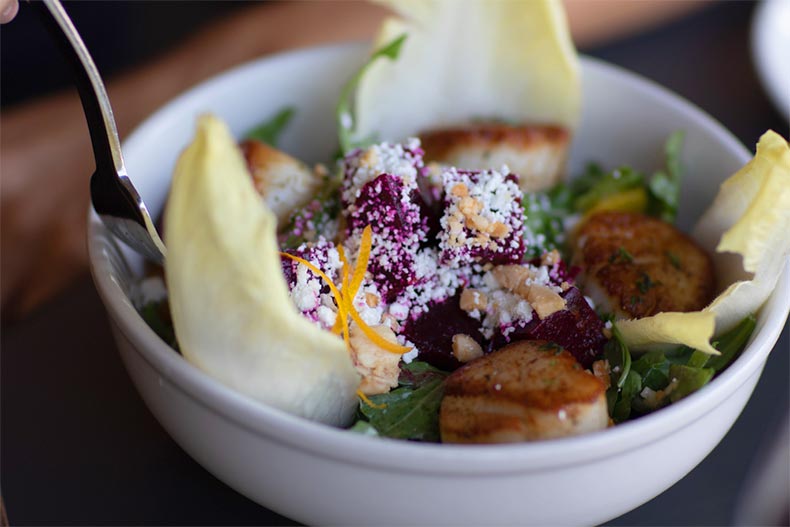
{"type": "Point", "coordinates": [95, 103]}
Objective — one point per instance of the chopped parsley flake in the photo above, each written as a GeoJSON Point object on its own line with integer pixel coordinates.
{"type": "Point", "coordinates": [622, 254]}
{"type": "Point", "coordinates": [644, 284]}
{"type": "Point", "coordinates": [674, 260]}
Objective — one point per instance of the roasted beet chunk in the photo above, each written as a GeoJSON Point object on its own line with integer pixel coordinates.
{"type": "Point", "coordinates": [482, 220]}
{"type": "Point", "coordinates": [308, 290]}
{"type": "Point", "coordinates": [576, 328]}
{"type": "Point", "coordinates": [379, 187]}
{"type": "Point", "coordinates": [433, 332]}
{"type": "Point", "coordinates": [397, 228]}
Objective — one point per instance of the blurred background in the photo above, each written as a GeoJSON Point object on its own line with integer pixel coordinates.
{"type": "Point", "coordinates": [120, 35]}
{"type": "Point", "coordinates": [77, 445]}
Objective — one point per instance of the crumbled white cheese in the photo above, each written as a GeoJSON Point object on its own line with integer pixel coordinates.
{"type": "Point", "coordinates": [151, 289]}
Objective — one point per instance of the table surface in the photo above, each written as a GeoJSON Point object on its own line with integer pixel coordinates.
{"type": "Point", "coordinates": [79, 446]}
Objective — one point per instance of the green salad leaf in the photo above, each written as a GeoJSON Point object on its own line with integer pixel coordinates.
{"type": "Point", "coordinates": [664, 186]}
{"type": "Point", "coordinates": [594, 185]}
{"type": "Point", "coordinates": [731, 343]}
{"type": "Point", "coordinates": [687, 379]}
{"type": "Point", "coordinates": [545, 214]}
{"type": "Point", "coordinates": [320, 214]}
{"type": "Point", "coordinates": [346, 120]}
{"type": "Point", "coordinates": [666, 376]}
{"type": "Point", "coordinates": [619, 358]}
{"type": "Point", "coordinates": [269, 131]}
{"type": "Point", "coordinates": [624, 188]}
{"type": "Point", "coordinates": [410, 411]}
{"type": "Point", "coordinates": [157, 315]}
{"type": "Point", "coordinates": [364, 428]}
{"type": "Point", "coordinates": [625, 382]}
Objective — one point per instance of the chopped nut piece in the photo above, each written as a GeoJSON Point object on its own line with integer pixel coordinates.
{"type": "Point", "coordinates": [469, 206]}
{"type": "Point", "coordinates": [320, 170]}
{"type": "Point", "coordinates": [390, 321]}
{"type": "Point", "coordinates": [479, 223]}
{"type": "Point", "coordinates": [472, 299]}
{"type": "Point", "coordinates": [482, 239]}
{"type": "Point", "coordinates": [369, 159]}
{"type": "Point", "coordinates": [460, 190]}
{"type": "Point", "coordinates": [544, 300]}
{"type": "Point", "coordinates": [465, 348]}
{"type": "Point", "coordinates": [455, 226]}
{"type": "Point", "coordinates": [600, 369]}
{"type": "Point", "coordinates": [513, 277]}
{"type": "Point", "coordinates": [378, 367]}
{"type": "Point", "coordinates": [499, 230]}
{"type": "Point", "coordinates": [371, 299]}
{"type": "Point", "coordinates": [550, 258]}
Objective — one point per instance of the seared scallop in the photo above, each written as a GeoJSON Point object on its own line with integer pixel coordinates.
{"type": "Point", "coordinates": [635, 266]}
{"type": "Point", "coordinates": [536, 153]}
{"type": "Point", "coordinates": [284, 182]}
{"type": "Point", "coordinates": [528, 390]}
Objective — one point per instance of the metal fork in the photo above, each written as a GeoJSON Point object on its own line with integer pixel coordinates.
{"type": "Point", "coordinates": [114, 198]}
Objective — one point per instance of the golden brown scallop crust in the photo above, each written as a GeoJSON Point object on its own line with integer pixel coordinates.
{"type": "Point", "coordinates": [536, 153]}
{"type": "Point", "coordinates": [283, 181]}
{"type": "Point", "coordinates": [635, 266]}
{"type": "Point", "coordinates": [525, 391]}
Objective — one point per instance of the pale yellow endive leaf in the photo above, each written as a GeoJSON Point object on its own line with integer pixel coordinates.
{"type": "Point", "coordinates": [748, 225]}
{"type": "Point", "coordinates": [470, 59]}
{"type": "Point", "coordinates": [690, 329]}
{"type": "Point", "coordinates": [231, 310]}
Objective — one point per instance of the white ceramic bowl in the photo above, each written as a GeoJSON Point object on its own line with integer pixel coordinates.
{"type": "Point", "coordinates": [318, 474]}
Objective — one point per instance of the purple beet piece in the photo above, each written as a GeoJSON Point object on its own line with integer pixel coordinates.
{"type": "Point", "coordinates": [490, 190]}
{"type": "Point", "coordinates": [559, 272]}
{"type": "Point", "coordinates": [397, 229]}
{"type": "Point", "coordinates": [433, 332]}
{"type": "Point", "coordinates": [381, 205]}
{"type": "Point", "coordinates": [312, 252]}
{"type": "Point", "coordinates": [576, 328]}
{"type": "Point", "coordinates": [430, 212]}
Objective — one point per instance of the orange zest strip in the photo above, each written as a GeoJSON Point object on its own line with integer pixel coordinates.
{"type": "Point", "coordinates": [374, 337]}
{"type": "Point", "coordinates": [345, 297]}
{"type": "Point", "coordinates": [369, 402]}
{"type": "Point", "coordinates": [341, 312]}
{"type": "Point", "coordinates": [342, 302]}
{"type": "Point", "coordinates": [362, 261]}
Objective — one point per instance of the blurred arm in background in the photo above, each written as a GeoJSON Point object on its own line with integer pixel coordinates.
{"type": "Point", "coordinates": [46, 152]}
{"type": "Point", "coordinates": [8, 10]}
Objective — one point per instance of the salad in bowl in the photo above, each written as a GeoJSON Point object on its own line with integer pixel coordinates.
{"type": "Point", "coordinates": [444, 281]}
{"type": "Point", "coordinates": [257, 416]}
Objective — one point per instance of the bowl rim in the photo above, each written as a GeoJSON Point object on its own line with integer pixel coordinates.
{"type": "Point", "coordinates": [404, 456]}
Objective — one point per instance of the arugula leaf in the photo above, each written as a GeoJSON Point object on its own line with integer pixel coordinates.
{"type": "Point", "coordinates": [320, 213]}
{"type": "Point", "coordinates": [632, 387]}
{"type": "Point", "coordinates": [653, 366]}
{"type": "Point", "coordinates": [344, 113]}
{"type": "Point", "coordinates": [544, 219]}
{"type": "Point", "coordinates": [619, 358]}
{"type": "Point", "coordinates": [626, 383]}
{"type": "Point", "coordinates": [364, 428]}
{"type": "Point", "coordinates": [595, 185]}
{"type": "Point", "coordinates": [687, 369]}
{"type": "Point", "coordinates": [731, 343]}
{"type": "Point", "coordinates": [688, 380]}
{"type": "Point", "coordinates": [157, 315]}
{"type": "Point", "coordinates": [410, 411]}
{"type": "Point", "coordinates": [664, 185]}
{"type": "Point", "coordinates": [269, 132]}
